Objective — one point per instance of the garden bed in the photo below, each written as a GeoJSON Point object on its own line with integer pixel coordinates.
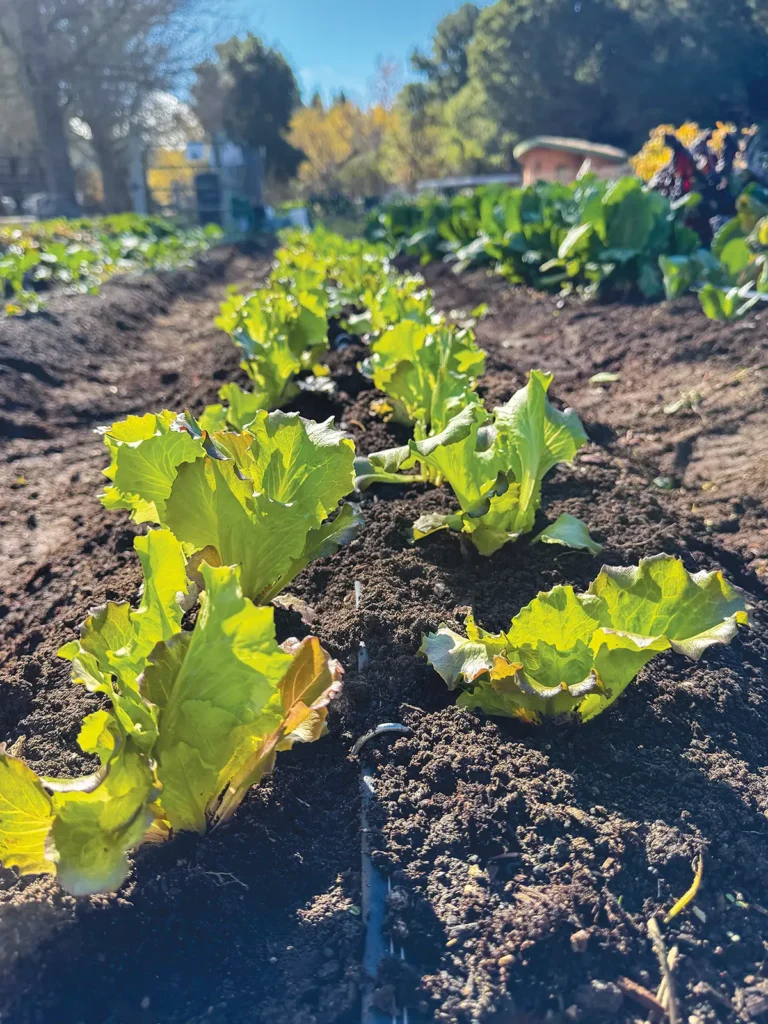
{"type": "Point", "coordinates": [690, 404]}
{"type": "Point", "coordinates": [527, 862]}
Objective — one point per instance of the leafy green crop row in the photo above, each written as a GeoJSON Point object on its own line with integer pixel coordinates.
{"type": "Point", "coordinates": [612, 239]}
{"type": "Point", "coordinates": [282, 328]}
{"type": "Point", "coordinates": [199, 696]}
{"type": "Point", "coordinates": [196, 718]}
{"type": "Point", "coordinates": [732, 276]}
{"type": "Point", "coordinates": [78, 255]}
{"type": "Point", "coordinates": [596, 236]}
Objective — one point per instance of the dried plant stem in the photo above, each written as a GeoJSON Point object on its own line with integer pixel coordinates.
{"type": "Point", "coordinates": [661, 953]}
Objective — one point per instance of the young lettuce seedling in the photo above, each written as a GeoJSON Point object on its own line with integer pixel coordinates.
{"type": "Point", "coordinates": [280, 334]}
{"type": "Point", "coordinates": [426, 370]}
{"type": "Point", "coordinates": [196, 718]}
{"type": "Point", "coordinates": [569, 653]}
{"type": "Point", "coordinates": [258, 499]}
{"type": "Point", "coordinates": [495, 466]}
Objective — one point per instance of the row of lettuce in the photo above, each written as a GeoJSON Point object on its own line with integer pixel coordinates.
{"type": "Point", "coordinates": [200, 697]}
{"type": "Point", "coordinates": [613, 239]}
{"type": "Point", "coordinates": [77, 256]}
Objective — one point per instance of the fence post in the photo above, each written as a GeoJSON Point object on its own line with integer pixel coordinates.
{"type": "Point", "coordinates": [137, 178]}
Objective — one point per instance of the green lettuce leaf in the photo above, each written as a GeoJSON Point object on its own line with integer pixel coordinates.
{"type": "Point", "coordinates": [425, 370]}
{"type": "Point", "coordinates": [115, 641]}
{"type": "Point", "coordinates": [213, 688]}
{"type": "Point", "coordinates": [534, 437]}
{"type": "Point", "coordinates": [255, 498]}
{"type": "Point", "coordinates": [305, 691]}
{"type": "Point", "coordinates": [218, 704]}
{"type": "Point", "coordinates": [259, 508]}
{"type": "Point", "coordinates": [241, 406]}
{"type": "Point", "coordinates": [661, 598]}
{"type": "Point", "coordinates": [25, 818]}
{"type": "Point", "coordinates": [213, 419]}
{"type": "Point", "coordinates": [92, 831]}
{"type": "Point", "coordinates": [79, 832]}
{"type": "Point", "coordinates": [571, 532]}
{"type": "Point", "coordinates": [146, 452]}
{"type": "Point", "coordinates": [279, 333]}
{"type": "Point", "coordinates": [569, 653]}
{"type": "Point", "coordinates": [495, 467]}
{"type": "Point", "coordinates": [727, 304]}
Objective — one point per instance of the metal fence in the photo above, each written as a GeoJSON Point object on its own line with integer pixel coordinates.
{"type": "Point", "coordinates": [198, 190]}
{"type": "Point", "coordinates": [21, 178]}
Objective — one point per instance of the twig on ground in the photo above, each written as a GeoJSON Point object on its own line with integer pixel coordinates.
{"type": "Point", "coordinates": [661, 953]}
{"type": "Point", "coordinates": [672, 960]}
{"type": "Point", "coordinates": [222, 877]}
{"type": "Point", "coordinates": [641, 995]}
{"type": "Point", "coordinates": [703, 988]}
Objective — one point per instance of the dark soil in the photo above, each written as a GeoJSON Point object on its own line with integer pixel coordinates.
{"type": "Point", "coordinates": [526, 863]}
{"type": "Point", "coordinates": [691, 404]}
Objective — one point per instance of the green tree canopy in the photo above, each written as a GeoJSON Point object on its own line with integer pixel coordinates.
{"type": "Point", "coordinates": [249, 91]}
{"type": "Point", "coordinates": [606, 70]}
{"type": "Point", "coordinates": [447, 69]}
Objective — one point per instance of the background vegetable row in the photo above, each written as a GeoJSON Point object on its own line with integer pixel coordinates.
{"type": "Point", "coordinates": [242, 500]}
{"type": "Point", "coordinates": [78, 255]}
{"type": "Point", "coordinates": [595, 237]}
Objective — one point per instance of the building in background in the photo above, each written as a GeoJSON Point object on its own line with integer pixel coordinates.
{"type": "Point", "coordinates": [552, 158]}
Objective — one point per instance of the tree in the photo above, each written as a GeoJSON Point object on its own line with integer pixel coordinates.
{"type": "Point", "coordinates": [249, 91]}
{"type": "Point", "coordinates": [341, 146]}
{"type": "Point", "coordinates": [444, 124]}
{"type": "Point", "coordinates": [543, 63]}
{"type": "Point", "coordinates": [607, 70]}
{"type": "Point", "coordinates": [26, 33]}
{"type": "Point", "coordinates": [92, 59]}
{"type": "Point", "coordinates": [385, 84]}
{"type": "Point", "coordinates": [140, 53]}
{"type": "Point", "coordinates": [447, 70]}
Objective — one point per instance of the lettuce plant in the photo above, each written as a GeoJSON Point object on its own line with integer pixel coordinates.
{"type": "Point", "coordinates": [236, 411]}
{"type": "Point", "coordinates": [569, 653]}
{"type": "Point", "coordinates": [194, 719]}
{"type": "Point", "coordinates": [391, 301]}
{"type": "Point", "coordinates": [345, 268]}
{"type": "Point", "coordinates": [732, 277]}
{"type": "Point", "coordinates": [258, 499]}
{"type": "Point", "coordinates": [79, 255]}
{"type": "Point", "coordinates": [425, 370]}
{"type": "Point", "coordinates": [495, 466]}
{"type": "Point", "coordinates": [279, 334]}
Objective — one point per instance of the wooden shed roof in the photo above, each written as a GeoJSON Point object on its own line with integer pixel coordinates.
{"type": "Point", "coordinates": [580, 146]}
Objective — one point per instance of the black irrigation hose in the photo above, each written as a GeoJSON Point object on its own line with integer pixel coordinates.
{"type": "Point", "coordinates": [375, 890]}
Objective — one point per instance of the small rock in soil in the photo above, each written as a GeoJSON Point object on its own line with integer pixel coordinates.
{"type": "Point", "coordinates": [397, 899]}
{"type": "Point", "coordinates": [599, 997]}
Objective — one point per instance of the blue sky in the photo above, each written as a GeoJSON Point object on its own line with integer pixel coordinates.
{"type": "Point", "coordinates": [334, 44]}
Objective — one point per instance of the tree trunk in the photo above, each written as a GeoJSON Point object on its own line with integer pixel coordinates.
{"type": "Point", "coordinates": [117, 196]}
{"type": "Point", "coordinates": [49, 116]}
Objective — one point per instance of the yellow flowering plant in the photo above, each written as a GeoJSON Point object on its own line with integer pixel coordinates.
{"type": "Point", "coordinates": [654, 154]}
